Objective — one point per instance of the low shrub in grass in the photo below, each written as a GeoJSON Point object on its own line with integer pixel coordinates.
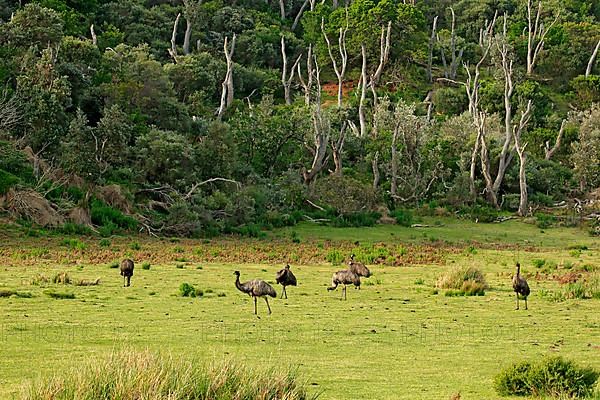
{"type": "Point", "coordinates": [544, 221]}
{"type": "Point", "coordinates": [70, 228]}
{"type": "Point", "coordinates": [467, 281]}
{"type": "Point", "coordinates": [10, 292]}
{"type": "Point", "coordinates": [145, 375]}
{"type": "Point", "coordinates": [135, 246]}
{"type": "Point", "coordinates": [74, 244]}
{"type": "Point", "coordinates": [187, 290]}
{"type": "Point", "coordinates": [114, 264]}
{"type": "Point", "coordinates": [551, 377]}
{"type": "Point", "coordinates": [356, 219]}
{"type": "Point", "coordinates": [59, 295]}
{"type": "Point", "coordinates": [335, 257]}
{"type": "Point", "coordinates": [104, 243]}
{"type": "Point", "coordinates": [146, 265]}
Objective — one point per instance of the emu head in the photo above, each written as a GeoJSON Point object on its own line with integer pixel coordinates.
{"type": "Point", "coordinates": [287, 266]}
{"type": "Point", "coordinates": [237, 273]}
{"type": "Point", "coordinates": [352, 257]}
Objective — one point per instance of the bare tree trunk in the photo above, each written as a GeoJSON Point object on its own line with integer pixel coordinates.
{"type": "Point", "coordinates": [375, 167]}
{"type": "Point", "coordinates": [590, 65]}
{"type": "Point", "coordinates": [550, 151]}
{"type": "Point", "coordinates": [394, 166]}
{"type": "Point", "coordinates": [336, 149]}
{"type": "Point", "coordinates": [173, 49]}
{"type": "Point", "coordinates": [299, 15]}
{"type": "Point", "coordinates": [507, 71]}
{"type": "Point", "coordinates": [282, 9]}
{"type": "Point", "coordinates": [535, 31]}
{"type": "Point", "coordinates": [384, 55]}
{"type": "Point", "coordinates": [307, 85]}
{"type": "Point", "coordinates": [341, 71]}
{"type": "Point", "coordinates": [474, 164]}
{"type": "Point", "coordinates": [455, 59]}
{"type": "Point", "coordinates": [320, 132]}
{"type": "Point", "coordinates": [191, 9]}
{"type": "Point", "coordinates": [94, 37]}
{"type": "Point", "coordinates": [285, 80]}
{"type": "Point", "coordinates": [485, 169]}
{"type": "Point", "coordinates": [186, 38]}
{"type": "Point", "coordinates": [429, 101]}
{"type": "Point", "coordinates": [431, 43]}
{"type": "Point", "coordinates": [517, 133]}
{"type": "Point", "coordinates": [227, 85]}
{"type": "Point", "coordinates": [363, 93]}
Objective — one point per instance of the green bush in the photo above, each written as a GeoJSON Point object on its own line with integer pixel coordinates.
{"type": "Point", "coordinates": [7, 180]}
{"type": "Point", "coordinates": [403, 217]}
{"type": "Point", "coordinates": [70, 228]}
{"type": "Point", "coordinates": [110, 218]}
{"type": "Point", "coordinates": [479, 213]}
{"type": "Point", "coordinates": [356, 219]}
{"type": "Point", "coordinates": [59, 295]}
{"type": "Point", "coordinates": [74, 244]}
{"type": "Point", "coordinates": [553, 376]}
{"type": "Point", "coordinates": [335, 257]}
{"type": "Point", "coordinates": [104, 243]}
{"type": "Point", "coordinates": [146, 265]}
{"type": "Point", "coordinates": [544, 221]}
{"type": "Point", "coordinates": [187, 290]}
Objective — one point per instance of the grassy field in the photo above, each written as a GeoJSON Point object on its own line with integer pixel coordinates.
{"type": "Point", "coordinates": [394, 339]}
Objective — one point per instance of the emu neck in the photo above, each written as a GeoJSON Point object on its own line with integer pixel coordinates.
{"type": "Point", "coordinates": [518, 270]}
{"type": "Point", "coordinates": [238, 284]}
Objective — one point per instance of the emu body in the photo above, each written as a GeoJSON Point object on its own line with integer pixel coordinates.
{"type": "Point", "coordinates": [520, 286]}
{"type": "Point", "coordinates": [285, 277]}
{"type": "Point", "coordinates": [344, 277]}
{"type": "Point", "coordinates": [358, 268]}
{"type": "Point", "coordinates": [127, 270]}
{"type": "Point", "coordinates": [255, 288]}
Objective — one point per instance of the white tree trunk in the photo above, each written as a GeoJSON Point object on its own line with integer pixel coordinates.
{"type": "Point", "coordinates": [590, 65]}
{"type": "Point", "coordinates": [94, 37]}
{"type": "Point", "coordinates": [431, 43]}
{"type": "Point", "coordinates": [363, 93]}
{"type": "Point", "coordinates": [375, 167]}
{"type": "Point", "coordinates": [536, 32]}
{"type": "Point", "coordinates": [285, 80]}
{"type": "Point", "coordinates": [227, 85]}
{"type": "Point", "coordinates": [550, 151]}
{"type": "Point", "coordinates": [341, 70]}
{"type": "Point", "coordinates": [517, 133]}
{"type": "Point", "coordinates": [307, 85]}
{"type": "Point", "coordinates": [173, 49]}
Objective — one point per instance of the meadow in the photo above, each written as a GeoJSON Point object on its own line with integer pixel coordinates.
{"type": "Point", "coordinates": [398, 337]}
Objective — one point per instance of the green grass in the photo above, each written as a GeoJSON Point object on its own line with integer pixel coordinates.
{"type": "Point", "coordinates": [434, 345]}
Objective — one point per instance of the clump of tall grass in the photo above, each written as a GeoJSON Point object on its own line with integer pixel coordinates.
{"type": "Point", "coordinates": [62, 278]}
{"type": "Point", "coordinates": [59, 295]}
{"type": "Point", "coordinates": [15, 293]}
{"type": "Point", "coordinates": [130, 375]}
{"type": "Point", "coordinates": [466, 281]}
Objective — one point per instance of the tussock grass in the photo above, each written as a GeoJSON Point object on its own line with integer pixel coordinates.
{"type": "Point", "coordinates": [59, 295]}
{"type": "Point", "coordinates": [130, 375]}
{"type": "Point", "coordinates": [467, 281]}
{"type": "Point", "coordinates": [10, 293]}
{"type": "Point", "coordinates": [62, 278]}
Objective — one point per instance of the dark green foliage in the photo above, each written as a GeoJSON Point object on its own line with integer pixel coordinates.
{"type": "Point", "coordinates": [109, 219]}
{"type": "Point", "coordinates": [59, 295]}
{"type": "Point", "coordinates": [7, 180]}
{"type": "Point", "coordinates": [544, 221]}
{"type": "Point", "coordinates": [403, 217]}
{"type": "Point", "coordinates": [479, 213]}
{"type": "Point", "coordinates": [553, 376]}
{"type": "Point", "coordinates": [187, 290]}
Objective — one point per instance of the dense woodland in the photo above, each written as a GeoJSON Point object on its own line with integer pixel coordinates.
{"type": "Point", "coordinates": [198, 117]}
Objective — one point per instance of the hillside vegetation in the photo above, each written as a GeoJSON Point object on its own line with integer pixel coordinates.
{"type": "Point", "coordinates": [201, 117]}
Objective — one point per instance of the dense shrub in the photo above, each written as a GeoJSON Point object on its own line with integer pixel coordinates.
{"type": "Point", "coordinates": [552, 376]}
{"type": "Point", "coordinates": [479, 213]}
{"type": "Point", "coordinates": [544, 221]}
{"type": "Point", "coordinates": [7, 180]}
{"type": "Point", "coordinates": [335, 257]}
{"type": "Point", "coordinates": [187, 290]}
{"type": "Point", "coordinates": [111, 219]}
{"type": "Point", "coordinates": [403, 216]}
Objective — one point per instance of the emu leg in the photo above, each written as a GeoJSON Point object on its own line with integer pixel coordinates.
{"type": "Point", "coordinates": [526, 303]}
{"type": "Point", "coordinates": [255, 306]}
{"type": "Point", "coordinates": [128, 280]}
{"type": "Point", "coordinates": [284, 292]}
{"type": "Point", "coordinates": [123, 280]}
{"type": "Point", "coordinates": [517, 302]}
{"type": "Point", "coordinates": [268, 306]}
{"type": "Point", "coordinates": [345, 293]}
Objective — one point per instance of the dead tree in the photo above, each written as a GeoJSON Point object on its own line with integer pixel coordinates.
{"type": "Point", "coordinates": [285, 80]}
{"type": "Point", "coordinates": [431, 43]}
{"type": "Point", "coordinates": [375, 167]}
{"type": "Point", "coordinates": [299, 15]}
{"type": "Point", "coordinates": [10, 112]}
{"type": "Point", "coordinates": [321, 129]}
{"type": "Point", "coordinates": [337, 144]}
{"type": "Point", "coordinates": [173, 49]}
{"type": "Point", "coordinates": [341, 70]}
{"type": "Point", "coordinates": [191, 9]}
{"type": "Point", "coordinates": [506, 66]}
{"type": "Point", "coordinates": [536, 34]}
{"type": "Point", "coordinates": [227, 85]}
{"type": "Point", "coordinates": [517, 132]}
{"type": "Point", "coordinates": [94, 37]}
{"type": "Point", "coordinates": [590, 65]}
{"type": "Point", "coordinates": [550, 151]}
{"type": "Point", "coordinates": [384, 55]}
{"type": "Point", "coordinates": [308, 83]}
{"type": "Point", "coordinates": [363, 93]}
{"type": "Point", "coordinates": [455, 60]}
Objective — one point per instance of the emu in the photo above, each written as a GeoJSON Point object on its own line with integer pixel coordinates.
{"type": "Point", "coordinates": [344, 277]}
{"type": "Point", "coordinates": [358, 268]}
{"type": "Point", "coordinates": [127, 270]}
{"type": "Point", "coordinates": [255, 288]}
{"type": "Point", "coordinates": [285, 277]}
{"type": "Point", "coordinates": [520, 286]}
